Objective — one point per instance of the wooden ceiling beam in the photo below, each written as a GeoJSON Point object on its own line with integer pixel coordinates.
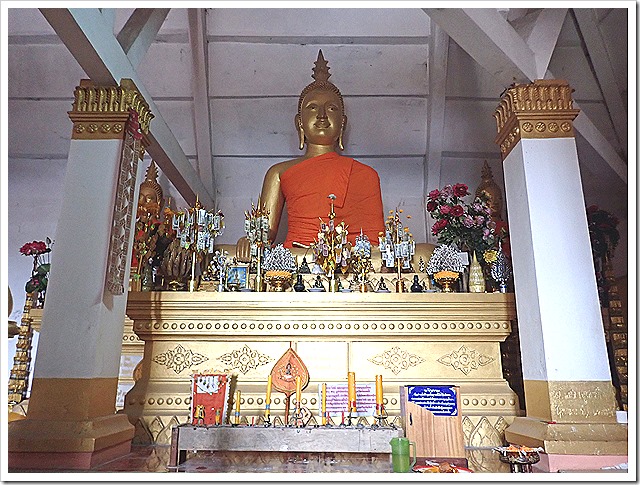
{"type": "Point", "coordinates": [599, 59]}
{"type": "Point", "coordinates": [92, 43]}
{"type": "Point", "coordinates": [494, 44]}
{"type": "Point", "coordinates": [140, 31]}
{"type": "Point", "coordinates": [200, 85]}
{"type": "Point", "coordinates": [439, 49]}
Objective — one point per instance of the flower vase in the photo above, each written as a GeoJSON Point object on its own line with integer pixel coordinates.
{"type": "Point", "coordinates": [476, 276]}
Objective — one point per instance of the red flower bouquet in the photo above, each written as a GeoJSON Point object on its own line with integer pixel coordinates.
{"type": "Point", "coordinates": [39, 250]}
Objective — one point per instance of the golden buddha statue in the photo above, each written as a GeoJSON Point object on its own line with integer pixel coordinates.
{"type": "Point", "coordinates": [150, 199]}
{"type": "Point", "coordinates": [491, 190]}
{"type": "Point", "coordinates": [150, 239]}
{"type": "Point", "coordinates": [305, 183]}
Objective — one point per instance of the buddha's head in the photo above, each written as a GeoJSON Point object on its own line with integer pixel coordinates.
{"type": "Point", "coordinates": [491, 191]}
{"type": "Point", "coordinates": [320, 119]}
{"type": "Point", "coordinates": [150, 198]}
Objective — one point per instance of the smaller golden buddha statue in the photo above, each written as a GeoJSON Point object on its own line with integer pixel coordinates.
{"type": "Point", "coordinates": [150, 238]}
{"type": "Point", "coordinates": [491, 190]}
{"type": "Point", "coordinates": [150, 200]}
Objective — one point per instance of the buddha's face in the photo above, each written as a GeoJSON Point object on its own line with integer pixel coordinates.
{"type": "Point", "coordinates": [321, 117]}
{"type": "Point", "coordinates": [148, 200]}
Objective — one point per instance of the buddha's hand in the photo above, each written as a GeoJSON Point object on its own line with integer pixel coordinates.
{"type": "Point", "coordinates": [243, 250]}
{"type": "Point", "coordinates": [175, 264]}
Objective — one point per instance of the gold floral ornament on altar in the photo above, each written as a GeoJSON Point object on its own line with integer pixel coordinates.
{"type": "Point", "coordinates": [396, 360]}
{"type": "Point", "coordinates": [256, 227]}
{"type": "Point", "coordinates": [361, 261]}
{"type": "Point", "coordinates": [37, 284]}
{"type": "Point", "coordinates": [179, 359]}
{"type": "Point", "coordinates": [244, 359]}
{"type": "Point", "coordinates": [196, 229]}
{"type": "Point", "coordinates": [465, 360]}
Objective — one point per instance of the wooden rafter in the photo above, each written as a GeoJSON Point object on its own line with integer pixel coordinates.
{"type": "Point", "coordinates": [435, 129]}
{"type": "Point", "coordinates": [140, 31]}
{"type": "Point", "coordinates": [92, 43]}
{"type": "Point", "coordinates": [494, 44]}
{"type": "Point", "coordinates": [200, 83]}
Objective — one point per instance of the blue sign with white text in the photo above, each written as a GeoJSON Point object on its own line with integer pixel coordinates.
{"type": "Point", "coordinates": [440, 400]}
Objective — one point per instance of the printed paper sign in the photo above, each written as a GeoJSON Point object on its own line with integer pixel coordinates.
{"type": "Point", "coordinates": [338, 397]}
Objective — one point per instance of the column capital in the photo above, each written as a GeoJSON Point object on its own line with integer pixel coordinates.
{"type": "Point", "coordinates": [540, 109]}
{"type": "Point", "coordinates": [101, 112]}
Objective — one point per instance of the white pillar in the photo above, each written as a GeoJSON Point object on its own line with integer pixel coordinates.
{"type": "Point", "coordinates": [564, 357]}
{"type": "Point", "coordinates": [71, 420]}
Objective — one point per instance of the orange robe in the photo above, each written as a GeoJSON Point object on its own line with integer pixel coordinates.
{"type": "Point", "coordinates": [358, 202]}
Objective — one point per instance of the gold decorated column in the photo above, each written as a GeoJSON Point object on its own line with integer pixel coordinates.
{"type": "Point", "coordinates": [570, 401]}
{"type": "Point", "coordinates": [71, 421]}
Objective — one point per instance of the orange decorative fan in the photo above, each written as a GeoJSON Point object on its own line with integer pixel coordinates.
{"type": "Point", "coordinates": [283, 376]}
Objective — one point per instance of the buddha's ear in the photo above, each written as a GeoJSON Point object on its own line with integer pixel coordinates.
{"type": "Point", "coordinates": [298, 122]}
{"type": "Point", "coordinates": [342, 127]}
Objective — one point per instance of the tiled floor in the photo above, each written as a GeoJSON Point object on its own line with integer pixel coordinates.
{"type": "Point", "coordinates": [156, 459]}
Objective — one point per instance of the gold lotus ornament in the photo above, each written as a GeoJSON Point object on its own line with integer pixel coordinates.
{"type": "Point", "coordinates": [446, 279]}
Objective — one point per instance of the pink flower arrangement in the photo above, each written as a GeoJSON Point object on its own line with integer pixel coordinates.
{"type": "Point", "coordinates": [469, 226]}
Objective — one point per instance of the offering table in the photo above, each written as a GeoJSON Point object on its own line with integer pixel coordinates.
{"type": "Point", "coordinates": [409, 338]}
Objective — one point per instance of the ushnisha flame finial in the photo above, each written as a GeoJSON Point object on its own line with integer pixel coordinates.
{"type": "Point", "coordinates": [321, 69]}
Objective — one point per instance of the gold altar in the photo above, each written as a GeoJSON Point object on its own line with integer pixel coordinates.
{"type": "Point", "coordinates": [419, 338]}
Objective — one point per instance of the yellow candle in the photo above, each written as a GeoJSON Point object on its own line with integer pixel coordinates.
{"type": "Point", "coordinates": [237, 413]}
{"type": "Point", "coordinates": [351, 383]}
{"type": "Point", "coordinates": [379, 390]}
{"type": "Point", "coordinates": [298, 389]}
{"type": "Point", "coordinates": [324, 403]}
{"type": "Point", "coordinates": [268, 400]}
{"type": "Point", "coordinates": [267, 408]}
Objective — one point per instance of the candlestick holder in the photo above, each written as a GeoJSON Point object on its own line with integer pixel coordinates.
{"type": "Point", "coordinates": [267, 417]}
{"type": "Point", "coordinates": [350, 414]}
{"type": "Point", "coordinates": [297, 416]}
{"type": "Point", "coordinates": [380, 418]}
{"type": "Point", "coordinates": [326, 420]}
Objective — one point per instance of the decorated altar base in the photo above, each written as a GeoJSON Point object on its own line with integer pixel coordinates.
{"type": "Point", "coordinates": [409, 338]}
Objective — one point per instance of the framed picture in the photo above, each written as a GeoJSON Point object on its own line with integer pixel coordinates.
{"type": "Point", "coordinates": [238, 277]}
